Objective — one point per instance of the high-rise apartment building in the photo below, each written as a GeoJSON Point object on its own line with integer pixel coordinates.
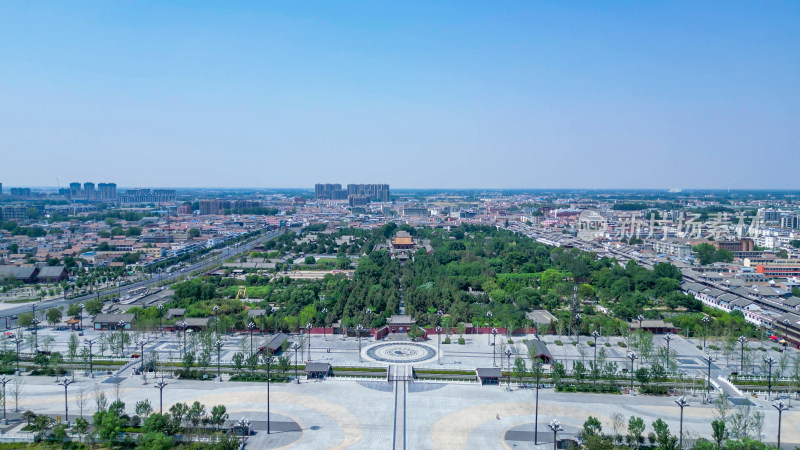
{"type": "Point", "coordinates": [107, 191]}
{"type": "Point", "coordinates": [329, 192]}
{"type": "Point", "coordinates": [373, 192]}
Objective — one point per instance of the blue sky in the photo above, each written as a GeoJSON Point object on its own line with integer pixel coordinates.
{"type": "Point", "coordinates": [414, 94]}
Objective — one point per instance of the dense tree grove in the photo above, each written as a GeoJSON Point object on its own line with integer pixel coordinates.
{"type": "Point", "coordinates": [471, 271]}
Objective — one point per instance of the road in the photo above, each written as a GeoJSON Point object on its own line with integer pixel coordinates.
{"type": "Point", "coordinates": [205, 263]}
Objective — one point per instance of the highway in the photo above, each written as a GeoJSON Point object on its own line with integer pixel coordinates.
{"type": "Point", "coordinates": [203, 264]}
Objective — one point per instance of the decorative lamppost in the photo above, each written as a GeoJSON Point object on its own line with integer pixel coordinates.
{"type": "Point", "coordinates": [556, 427]}
{"type": "Point", "coordinates": [251, 326]}
{"type": "Point", "coordinates": [359, 328]}
{"type": "Point", "coordinates": [296, 347]}
{"type": "Point", "coordinates": [219, 353]}
{"type": "Point", "coordinates": [632, 356]}
{"type": "Point", "coordinates": [640, 319]}
{"type": "Point", "coordinates": [508, 358]}
{"type": "Point", "coordinates": [244, 425]}
{"type": "Point", "coordinates": [35, 323]}
{"type": "Point", "coordinates": [742, 341]}
{"type": "Point", "coordinates": [488, 322]}
{"type": "Point", "coordinates": [90, 342]}
{"type": "Point", "coordinates": [705, 321]}
{"type": "Point", "coordinates": [121, 326]}
{"type": "Point", "coordinates": [668, 338]}
{"type": "Point", "coordinates": [595, 336]}
{"type": "Point", "coordinates": [160, 386]}
{"type": "Point", "coordinates": [4, 380]}
{"type": "Point", "coordinates": [494, 341]}
{"type": "Point", "coordinates": [309, 327]}
{"type": "Point", "coordinates": [141, 344]}
{"type": "Point", "coordinates": [80, 316]}
{"type": "Point", "coordinates": [324, 323]}
{"type": "Point", "coordinates": [185, 326]}
{"type": "Point", "coordinates": [438, 344]}
{"type": "Point", "coordinates": [779, 405]}
{"type": "Point", "coordinates": [65, 382]}
{"type": "Point", "coordinates": [268, 362]}
{"type": "Point", "coordinates": [786, 323]}
{"type": "Point", "coordinates": [160, 318]}
{"type": "Point", "coordinates": [216, 318]}
{"type": "Point", "coordinates": [18, 340]}
{"type": "Point", "coordinates": [578, 329]}
{"type": "Point", "coordinates": [709, 358]}
{"type": "Point", "coordinates": [538, 369]}
{"type": "Point", "coordinates": [682, 402]}
{"type": "Point", "coordinates": [770, 361]}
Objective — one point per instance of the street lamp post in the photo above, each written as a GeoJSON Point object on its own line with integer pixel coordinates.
{"type": "Point", "coordinates": [65, 382]}
{"type": "Point", "coordinates": [508, 360]}
{"type": "Point", "coordinates": [494, 341]}
{"type": "Point", "coordinates": [742, 340]}
{"type": "Point", "coordinates": [251, 326]}
{"type": "Point", "coordinates": [18, 341]}
{"type": "Point", "coordinates": [160, 308]}
{"type": "Point", "coordinates": [779, 405]}
{"type": "Point", "coordinates": [324, 323]}
{"type": "Point", "coordinates": [141, 344]}
{"type": "Point", "coordinates": [538, 368]}
{"type": "Point", "coordinates": [556, 427]}
{"type": "Point", "coordinates": [682, 402]}
{"type": "Point", "coordinates": [488, 322]}
{"type": "Point", "coordinates": [640, 319]}
{"type": "Point", "coordinates": [4, 380]}
{"type": "Point", "coordinates": [296, 347]}
{"type": "Point", "coordinates": [595, 336]}
{"type": "Point", "coordinates": [709, 357]}
{"type": "Point", "coordinates": [80, 316]}
{"type": "Point", "coordinates": [121, 326]}
{"type": "Point", "coordinates": [705, 321]}
{"type": "Point", "coordinates": [438, 344]}
{"type": "Point", "coordinates": [669, 339]}
{"type": "Point", "coordinates": [219, 353]}
{"type": "Point", "coordinates": [578, 329]}
{"type": "Point", "coordinates": [160, 386]}
{"type": "Point", "coordinates": [309, 327]}
{"type": "Point", "coordinates": [770, 361]}
{"type": "Point", "coordinates": [632, 356]}
{"type": "Point", "coordinates": [184, 326]}
{"type": "Point", "coordinates": [216, 318]}
{"type": "Point", "coordinates": [90, 342]}
{"type": "Point", "coordinates": [35, 323]}
{"type": "Point", "coordinates": [359, 328]}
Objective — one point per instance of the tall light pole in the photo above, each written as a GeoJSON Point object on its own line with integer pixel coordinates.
{"type": "Point", "coordinates": [668, 338]}
{"type": "Point", "coordinates": [640, 319]}
{"type": "Point", "coordinates": [742, 341]}
{"type": "Point", "coordinates": [556, 427]}
{"type": "Point", "coordinates": [4, 380]}
{"type": "Point", "coordinates": [121, 326]}
{"type": "Point", "coordinates": [438, 344]}
{"type": "Point", "coordinates": [578, 329]}
{"type": "Point", "coordinates": [632, 356]}
{"type": "Point", "coordinates": [18, 340]}
{"type": "Point", "coordinates": [185, 326]}
{"type": "Point", "coordinates": [538, 368]}
{"type": "Point", "coordinates": [359, 328]}
{"type": "Point", "coordinates": [709, 358]}
{"type": "Point", "coordinates": [488, 322]}
{"type": "Point", "coordinates": [770, 361]}
{"type": "Point", "coordinates": [219, 353]}
{"type": "Point", "coordinates": [682, 402]}
{"type": "Point", "coordinates": [779, 405]}
{"type": "Point", "coordinates": [705, 321]}
{"type": "Point", "coordinates": [160, 308]}
{"type": "Point", "coordinates": [80, 316]}
{"type": "Point", "coordinates": [309, 327]}
{"type": "Point", "coordinates": [268, 362]}
{"type": "Point", "coordinates": [508, 358]}
{"type": "Point", "coordinates": [160, 386]}
{"type": "Point", "coordinates": [494, 341]}
{"type": "Point", "coordinates": [595, 336]}
{"type": "Point", "coordinates": [65, 382]}
{"type": "Point", "coordinates": [251, 326]}
{"type": "Point", "coordinates": [216, 318]}
{"type": "Point", "coordinates": [35, 323]}
{"type": "Point", "coordinates": [90, 342]}
{"type": "Point", "coordinates": [141, 344]}
{"type": "Point", "coordinates": [296, 347]}
{"type": "Point", "coordinates": [324, 323]}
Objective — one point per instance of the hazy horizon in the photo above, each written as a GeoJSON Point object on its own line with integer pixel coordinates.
{"type": "Point", "coordinates": [437, 96]}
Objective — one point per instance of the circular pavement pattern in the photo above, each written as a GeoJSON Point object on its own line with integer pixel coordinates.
{"type": "Point", "coordinates": [400, 353]}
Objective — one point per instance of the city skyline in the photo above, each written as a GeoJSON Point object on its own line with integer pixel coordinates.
{"type": "Point", "coordinates": [419, 96]}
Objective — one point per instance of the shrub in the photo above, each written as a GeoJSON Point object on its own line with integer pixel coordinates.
{"type": "Point", "coordinates": [462, 341]}
{"type": "Point", "coordinates": [607, 344]}
{"type": "Point", "coordinates": [558, 342]}
{"type": "Point", "coordinates": [622, 344]}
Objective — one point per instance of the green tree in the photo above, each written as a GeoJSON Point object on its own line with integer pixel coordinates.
{"type": "Point", "coordinates": [718, 432]}
{"type": "Point", "coordinates": [636, 429]}
{"type": "Point", "coordinates": [519, 369]}
{"type": "Point", "coordinates": [54, 316]}
{"type": "Point", "coordinates": [592, 427]}
{"type": "Point", "coordinates": [194, 233]}
{"type": "Point", "coordinates": [665, 440]}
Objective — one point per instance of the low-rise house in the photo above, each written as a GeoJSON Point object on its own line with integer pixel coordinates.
{"type": "Point", "coordinates": [113, 321]}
